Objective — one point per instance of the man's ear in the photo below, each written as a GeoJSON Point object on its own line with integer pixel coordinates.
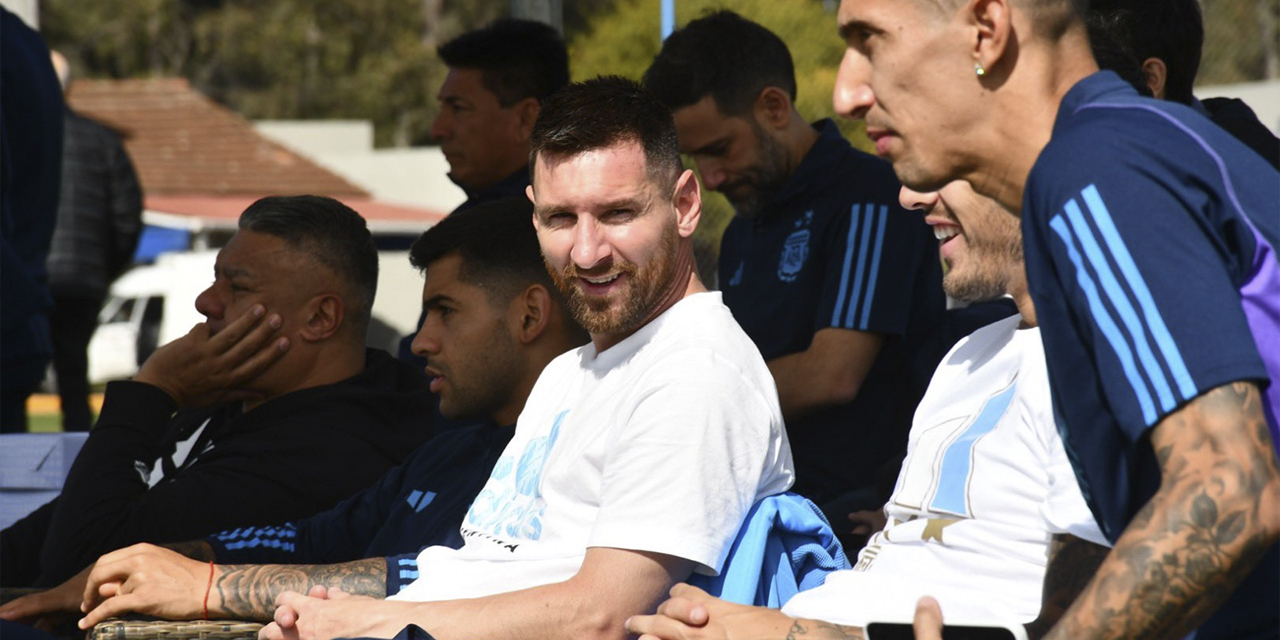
{"type": "Point", "coordinates": [688, 204]}
{"type": "Point", "coordinates": [530, 313]}
{"type": "Point", "coordinates": [772, 108]}
{"type": "Point", "coordinates": [526, 112]}
{"type": "Point", "coordinates": [992, 21]}
{"type": "Point", "coordinates": [1156, 74]}
{"type": "Point", "coordinates": [325, 314]}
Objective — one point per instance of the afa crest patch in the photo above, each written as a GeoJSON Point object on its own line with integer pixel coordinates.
{"type": "Point", "coordinates": [794, 253]}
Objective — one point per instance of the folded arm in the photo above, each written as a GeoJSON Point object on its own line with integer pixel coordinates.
{"type": "Point", "coordinates": [611, 585]}
{"type": "Point", "coordinates": [829, 373]}
{"type": "Point", "coordinates": [159, 582]}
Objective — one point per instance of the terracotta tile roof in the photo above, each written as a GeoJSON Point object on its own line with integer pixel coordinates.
{"type": "Point", "coordinates": [222, 212]}
{"type": "Point", "coordinates": [184, 143]}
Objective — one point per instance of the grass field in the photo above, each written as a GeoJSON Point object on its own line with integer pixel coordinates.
{"type": "Point", "coordinates": [44, 416]}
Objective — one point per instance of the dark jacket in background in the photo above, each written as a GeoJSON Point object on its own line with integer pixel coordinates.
{"type": "Point", "coordinates": [30, 155]}
{"type": "Point", "coordinates": [99, 213]}
{"type": "Point", "coordinates": [291, 457]}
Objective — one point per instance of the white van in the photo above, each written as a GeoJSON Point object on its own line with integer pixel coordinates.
{"type": "Point", "coordinates": [153, 304]}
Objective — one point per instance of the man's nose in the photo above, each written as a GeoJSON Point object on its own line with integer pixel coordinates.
{"type": "Point", "coordinates": [209, 305]}
{"type": "Point", "coordinates": [712, 173]}
{"type": "Point", "coordinates": [441, 127]}
{"type": "Point", "coordinates": [853, 96]}
{"type": "Point", "coordinates": [916, 200]}
{"type": "Point", "coordinates": [590, 243]}
{"type": "Point", "coordinates": [425, 342]}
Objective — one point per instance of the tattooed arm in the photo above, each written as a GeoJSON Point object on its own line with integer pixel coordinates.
{"type": "Point", "coordinates": [249, 592]}
{"type": "Point", "coordinates": [160, 582]}
{"type": "Point", "coordinates": [1214, 516]}
{"type": "Point", "coordinates": [1072, 563]}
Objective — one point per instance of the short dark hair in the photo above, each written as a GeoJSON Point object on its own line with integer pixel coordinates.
{"type": "Point", "coordinates": [1171, 30]}
{"type": "Point", "coordinates": [497, 244]}
{"type": "Point", "coordinates": [602, 112]}
{"type": "Point", "coordinates": [1111, 50]}
{"type": "Point", "coordinates": [519, 59]}
{"type": "Point", "coordinates": [722, 55]}
{"type": "Point", "coordinates": [330, 233]}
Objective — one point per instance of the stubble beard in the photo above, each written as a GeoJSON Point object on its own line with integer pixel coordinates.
{"type": "Point", "coordinates": [642, 293]}
{"type": "Point", "coordinates": [765, 179]}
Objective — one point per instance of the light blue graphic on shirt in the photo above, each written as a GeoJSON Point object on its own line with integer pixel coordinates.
{"type": "Point", "coordinates": [795, 250]}
{"type": "Point", "coordinates": [511, 506]}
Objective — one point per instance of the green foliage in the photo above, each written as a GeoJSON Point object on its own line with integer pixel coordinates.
{"type": "Point", "coordinates": [371, 59]}
{"type": "Point", "coordinates": [1241, 41]}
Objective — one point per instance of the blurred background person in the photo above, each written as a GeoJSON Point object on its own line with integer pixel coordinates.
{"type": "Point", "coordinates": [30, 155]}
{"type": "Point", "coordinates": [99, 220]}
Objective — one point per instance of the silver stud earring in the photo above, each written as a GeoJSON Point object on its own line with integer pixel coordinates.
{"type": "Point", "coordinates": [979, 69]}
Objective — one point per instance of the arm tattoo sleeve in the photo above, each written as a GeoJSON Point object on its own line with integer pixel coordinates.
{"type": "Point", "coordinates": [249, 592]}
{"type": "Point", "coordinates": [1200, 535]}
{"type": "Point", "coordinates": [1072, 563]}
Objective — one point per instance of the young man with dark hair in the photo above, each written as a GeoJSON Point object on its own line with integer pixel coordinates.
{"type": "Point", "coordinates": [498, 77]}
{"type": "Point", "coordinates": [1166, 37]}
{"type": "Point", "coordinates": [836, 287]}
{"type": "Point", "coordinates": [271, 409]}
{"type": "Point", "coordinates": [636, 456]}
{"type": "Point", "coordinates": [1151, 239]}
{"type": "Point", "coordinates": [495, 321]}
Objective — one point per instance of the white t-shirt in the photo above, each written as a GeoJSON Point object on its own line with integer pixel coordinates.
{"type": "Point", "coordinates": [985, 484]}
{"type": "Point", "coordinates": [661, 443]}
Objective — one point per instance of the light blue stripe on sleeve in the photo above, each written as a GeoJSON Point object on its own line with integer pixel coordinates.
{"type": "Point", "coordinates": [1120, 300]}
{"type": "Point", "coordinates": [957, 461]}
{"type": "Point", "coordinates": [875, 269]}
{"type": "Point", "coordinates": [1105, 323]}
{"type": "Point", "coordinates": [855, 216]}
{"type": "Point", "coordinates": [408, 575]}
{"type": "Point", "coordinates": [864, 236]}
{"type": "Point", "coordinates": [1172, 357]}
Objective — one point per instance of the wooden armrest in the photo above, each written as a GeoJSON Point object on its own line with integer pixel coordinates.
{"type": "Point", "coordinates": [169, 630]}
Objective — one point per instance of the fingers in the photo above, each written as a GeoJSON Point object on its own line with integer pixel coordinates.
{"type": "Point", "coordinates": [271, 632]}
{"type": "Point", "coordinates": [928, 620]}
{"type": "Point", "coordinates": [690, 592]}
{"type": "Point", "coordinates": [109, 608]}
{"type": "Point", "coordinates": [656, 627]}
{"type": "Point", "coordinates": [252, 355]}
{"type": "Point", "coordinates": [685, 611]}
{"type": "Point", "coordinates": [320, 591]}
{"type": "Point", "coordinates": [30, 606]}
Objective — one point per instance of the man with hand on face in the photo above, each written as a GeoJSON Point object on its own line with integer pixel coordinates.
{"type": "Point", "coordinates": [838, 289]}
{"type": "Point", "coordinates": [498, 77]}
{"type": "Point", "coordinates": [1151, 238]}
{"type": "Point", "coordinates": [987, 512]}
{"type": "Point", "coordinates": [494, 322]}
{"type": "Point", "coordinates": [271, 409]}
{"type": "Point", "coordinates": [637, 456]}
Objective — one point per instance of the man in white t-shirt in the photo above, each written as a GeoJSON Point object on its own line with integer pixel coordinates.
{"type": "Point", "coordinates": [637, 456]}
{"type": "Point", "coordinates": [986, 498]}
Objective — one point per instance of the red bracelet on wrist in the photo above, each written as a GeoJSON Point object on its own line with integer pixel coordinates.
{"type": "Point", "coordinates": [207, 589]}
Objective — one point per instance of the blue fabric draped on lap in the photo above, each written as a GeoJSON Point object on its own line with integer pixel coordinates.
{"type": "Point", "coordinates": [785, 546]}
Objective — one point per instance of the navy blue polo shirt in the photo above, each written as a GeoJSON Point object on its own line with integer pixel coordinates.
{"type": "Point", "coordinates": [834, 249]}
{"type": "Point", "coordinates": [1149, 236]}
{"type": "Point", "coordinates": [415, 505]}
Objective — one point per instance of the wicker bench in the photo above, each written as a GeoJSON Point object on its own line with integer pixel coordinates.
{"type": "Point", "coordinates": [169, 630]}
